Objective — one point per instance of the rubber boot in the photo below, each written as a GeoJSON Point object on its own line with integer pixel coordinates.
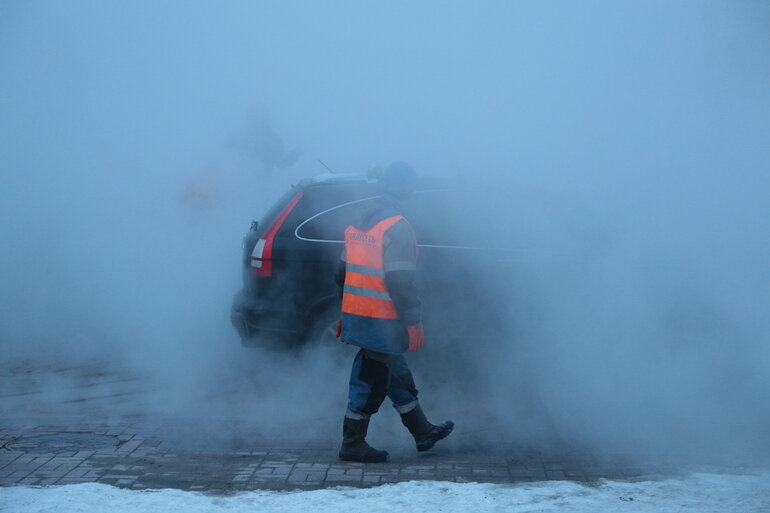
{"type": "Point", "coordinates": [354, 446]}
{"type": "Point", "coordinates": [425, 434]}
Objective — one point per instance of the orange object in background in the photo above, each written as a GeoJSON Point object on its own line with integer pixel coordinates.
{"type": "Point", "coordinates": [203, 189]}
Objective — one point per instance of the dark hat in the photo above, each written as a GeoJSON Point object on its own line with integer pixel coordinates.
{"type": "Point", "coordinates": [399, 179]}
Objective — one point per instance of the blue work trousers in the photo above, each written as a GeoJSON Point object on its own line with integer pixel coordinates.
{"type": "Point", "coordinates": [376, 375]}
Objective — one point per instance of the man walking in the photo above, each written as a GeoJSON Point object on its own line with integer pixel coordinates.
{"type": "Point", "coordinates": [381, 313]}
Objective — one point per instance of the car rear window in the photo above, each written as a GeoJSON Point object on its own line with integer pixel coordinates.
{"type": "Point", "coordinates": [437, 216]}
{"type": "Point", "coordinates": [329, 225]}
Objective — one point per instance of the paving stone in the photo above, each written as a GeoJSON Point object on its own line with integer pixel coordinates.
{"type": "Point", "coordinates": [344, 479]}
{"type": "Point", "coordinates": [143, 461]}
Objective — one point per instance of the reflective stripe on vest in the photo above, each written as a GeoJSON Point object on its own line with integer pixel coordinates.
{"type": "Point", "coordinates": [365, 292]}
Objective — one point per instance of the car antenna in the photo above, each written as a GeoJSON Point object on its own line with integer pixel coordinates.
{"type": "Point", "coordinates": [327, 167]}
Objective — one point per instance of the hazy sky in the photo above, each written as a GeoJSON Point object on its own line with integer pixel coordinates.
{"type": "Point", "coordinates": [652, 119]}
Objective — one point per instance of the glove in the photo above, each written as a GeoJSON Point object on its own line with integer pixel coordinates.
{"type": "Point", "coordinates": [416, 336]}
{"type": "Point", "coordinates": [338, 331]}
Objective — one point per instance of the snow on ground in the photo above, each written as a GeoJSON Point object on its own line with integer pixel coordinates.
{"type": "Point", "coordinates": [702, 493]}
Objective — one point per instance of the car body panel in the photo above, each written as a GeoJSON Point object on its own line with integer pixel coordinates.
{"type": "Point", "coordinates": [284, 307]}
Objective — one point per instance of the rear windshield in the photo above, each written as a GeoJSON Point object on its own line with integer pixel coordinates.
{"type": "Point", "coordinates": [329, 225]}
{"type": "Point", "coordinates": [480, 218]}
{"type": "Point", "coordinates": [438, 216]}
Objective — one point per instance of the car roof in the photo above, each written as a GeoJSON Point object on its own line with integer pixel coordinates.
{"type": "Point", "coordinates": [360, 178]}
{"type": "Point", "coordinates": [336, 178]}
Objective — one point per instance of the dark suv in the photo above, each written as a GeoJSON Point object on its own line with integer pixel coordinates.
{"type": "Point", "coordinates": [289, 295]}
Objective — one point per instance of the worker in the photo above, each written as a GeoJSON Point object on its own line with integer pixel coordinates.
{"type": "Point", "coordinates": [381, 314]}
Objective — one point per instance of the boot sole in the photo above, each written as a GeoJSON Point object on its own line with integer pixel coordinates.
{"type": "Point", "coordinates": [429, 444]}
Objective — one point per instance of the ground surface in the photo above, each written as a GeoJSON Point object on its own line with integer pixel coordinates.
{"type": "Point", "coordinates": [697, 493]}
{"type": "Point", "coordinates": [73, 438]}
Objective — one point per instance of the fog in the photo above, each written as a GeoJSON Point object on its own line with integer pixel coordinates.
{"type": "Point", "coordinates": [137, 142]}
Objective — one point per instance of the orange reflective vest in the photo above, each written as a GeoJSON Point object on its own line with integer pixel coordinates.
{"type": "Point", "coordinates": [365, 293]}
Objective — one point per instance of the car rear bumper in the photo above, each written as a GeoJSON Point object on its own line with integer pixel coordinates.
{"type": "Point", "coordinates": [259, 324]}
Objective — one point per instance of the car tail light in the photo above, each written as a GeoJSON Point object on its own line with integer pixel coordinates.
{"type": "Point", "coordinates": [262, 256]}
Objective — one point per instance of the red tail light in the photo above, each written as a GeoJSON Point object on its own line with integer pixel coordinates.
{"type": "Point", "coordinates": [262, 256]}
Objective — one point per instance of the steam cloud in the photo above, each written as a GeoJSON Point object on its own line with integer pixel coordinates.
{"type": "Point", "coordinates": [629, 143]}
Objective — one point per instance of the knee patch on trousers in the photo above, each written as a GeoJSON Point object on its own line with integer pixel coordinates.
{"type": "Point", "coordinates": [376, 374]}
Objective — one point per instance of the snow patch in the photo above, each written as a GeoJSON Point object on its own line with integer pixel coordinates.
{"type": "Point", "coordinates": [702, 493]}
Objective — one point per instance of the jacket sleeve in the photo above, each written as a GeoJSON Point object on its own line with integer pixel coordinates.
{"type": "Point", "coordinates": [339, 275]}
{"type": "Point", "coordinates": [400, 262]}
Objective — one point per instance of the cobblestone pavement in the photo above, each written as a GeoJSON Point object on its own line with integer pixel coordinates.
{"type": "Point", "coordinates": [119, 454]}
{"type": "Point", "coordinates": [76, 440]}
